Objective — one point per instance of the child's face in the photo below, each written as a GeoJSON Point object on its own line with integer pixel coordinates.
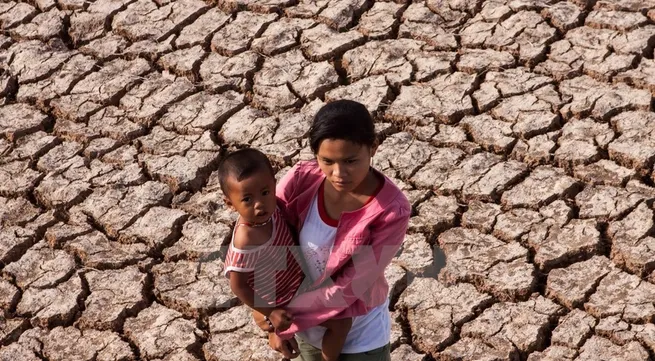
{"type": "Point", "coordinates": [254, 197]}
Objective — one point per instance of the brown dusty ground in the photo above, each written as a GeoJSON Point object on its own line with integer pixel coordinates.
{"type": "Point", "coordinates": [521, 130]}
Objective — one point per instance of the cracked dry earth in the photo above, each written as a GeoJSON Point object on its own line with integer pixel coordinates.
{"type": "Point", "coordinates": [522, 131]}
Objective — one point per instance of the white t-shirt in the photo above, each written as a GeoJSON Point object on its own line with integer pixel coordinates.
{"type": "Point", "coordinates": [368, 332]}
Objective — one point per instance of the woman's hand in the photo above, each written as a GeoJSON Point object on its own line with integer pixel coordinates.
{"type": "Point", "coordinates": [280, 319]}
{"type": "Point", "coordinates": [288, 348]}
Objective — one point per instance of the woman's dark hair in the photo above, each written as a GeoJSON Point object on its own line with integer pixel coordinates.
{"type": "Point", "coordinates": [342, 119]}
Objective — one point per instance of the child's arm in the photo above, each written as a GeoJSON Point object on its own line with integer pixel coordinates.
{"type": "Point", "coordinates": [280, 319]}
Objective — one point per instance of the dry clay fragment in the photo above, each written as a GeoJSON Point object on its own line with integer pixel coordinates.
{"type": "Point", "coordinates": [58, 84]}
{"type": "Point", "coordinates": [435, 215]}
{"type": "Point", "coordinates": [635, 147]}
{"type": "Point", "coordinates": [436, 171]}
{"type": "Point", "coordinates": [524, 325]}
{"type": "Point", "coordinates": [372, 91]}
{"type": "Point", "coordinates": [481, 216]}
{"type": "Point", "coordinates": [604, 172]}
{"type": "Point", "coordinates": [42, 27]}
{"type": "Point", "coordinates": [563, 15]}
{"type": "Point", "coordinates": [378, 22]}
{"type": "Point", "coordinates": [555, 246]}
{"type": "Point", "coordinates": [33, 60]}
{"type": "Point", "coordinates": [12, 14]}
{"type": "Point", "coordinates": [554, 353]}
{"type": "Point", "coordinates": [144, 20]}
{"type": "Point", "coordinates": [396, 60]}
{"type": "Point", "coordinates": [600, 348]}
{"type": "Point", "coordinates": [49, 307]}
{"type": "Point", "coordinates": [201, 111]}
{"type": "Point", "coordinates": [158, 228]}
{"type": "Point", "coordinates": [542, 186]}
{"type": "Point", "coordinates": [236, 36]}
{"type": "Point", "coordinates": [402, 155]}
{"type": "Point", "coordinates": [281, 35]}
{"type": "Point", "coordinates": [115, 210]}
{"type": "Point", "coordinates": [581, 142]}
{"type": "Point", "coordinates": [509, 83]}
{"type": "Point", "coordinates": [201, 30]}
{"type": "Point", "coordinates": [115, 294]}
{"type": "Point", "coordinates": [150, 99]}
{"type": "Point", "coordinates": [184, 163]}
{"type": "Point", "coordinates": [323, 43]}
{"type": "Point", "coordinates": [200, 241]}
{"type": "Point", "coordinates": [41, 267]}
{"type": "Point", "coordinates": [631, 244]}
{"type": "Point", "coordinates": [615, 20]}
{"type": "Point", "coordinates": [416, 255]}
{"type": "Point", "coordinates": [14, 241]}
{"type": "Point", "coordinates": [525, 34]}
{"type": "Point", "coordinates": [10, 329]}
{"type": "Point", "coordinates": [574, 329]}
{"type": "Point", "coordinates": [158, 331]}
{"type": "Point", "coordinates": [490, 264]}
{"type": "Point", "coordinates": [97, 251]}
{"type": "Point", "coordinates": [406, 353]}
{"type": "Point", "coordinates": [444, 99]}
{"type": "Point", "coordinates": [642, 77]}
{"type": "Point", "coordinates": [17, 211]}
{"type": "Point", "coordinates": [435, 310]}
{"type": "Point", "coordinates": [473, 349]}
{"type": "Point", "coordinates": [9, 296]}
{"type": "Point", "coordinates": [625, 295]}
{"type": "Point", "coordinates": [285, 75]}
{"type": "Point", "coordinates": [221, 73]}
{"type": "Point", "coordinates": [477, 176]}
{"type": "Point", "coordinates": [193, 288]}
{"type": "Point", "coordinates": [421, 23]}
{"type": "Point", "coordinates": [599, 100]}
{"type": "Point", "coordinates": [20, 119]}
{"type": "Point", "coordinates": [235, 337]}
{"type": "Point", "coordinates": [99, 88]}
{"type": "Point", "coordinates": [69, 343]}
{"type": "Point", "coordinates": [607, 202]}
{"type": "Point", "coordinates": [571, 286]}
{"type": "Point", "coordinates": [267, 6]}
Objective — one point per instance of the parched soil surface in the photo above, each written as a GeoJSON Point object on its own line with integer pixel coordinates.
{"type": "Point", "coordinates": [522, 131]}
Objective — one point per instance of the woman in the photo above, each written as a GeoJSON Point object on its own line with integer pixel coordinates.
{"type": "Point", "coordinates": [351, 221]}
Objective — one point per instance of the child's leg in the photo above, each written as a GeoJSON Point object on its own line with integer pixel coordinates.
{"type": "Point", "coordinates": [335, 337]}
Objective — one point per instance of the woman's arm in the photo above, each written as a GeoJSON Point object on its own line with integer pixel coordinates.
{"type": "Point", "coordinates": [343, 296]}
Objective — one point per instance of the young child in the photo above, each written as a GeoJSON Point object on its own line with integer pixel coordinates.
{"type": "Point", "coordinates": [262, 259]}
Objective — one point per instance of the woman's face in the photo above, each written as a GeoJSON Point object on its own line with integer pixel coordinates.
{"type": "Point", "coordinates": [344, 163]}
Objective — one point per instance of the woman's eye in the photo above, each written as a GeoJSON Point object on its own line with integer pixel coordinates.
{"type": "Point", "coordinates": [351, 161]}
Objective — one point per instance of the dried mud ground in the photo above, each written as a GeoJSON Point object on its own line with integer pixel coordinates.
{"type": "Point", "coordinates": [522, 131]}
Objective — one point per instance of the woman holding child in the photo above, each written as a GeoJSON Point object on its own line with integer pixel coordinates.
{"type": "Point", "coordinates": [350, 221]}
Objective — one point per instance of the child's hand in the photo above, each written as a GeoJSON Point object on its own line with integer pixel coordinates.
{"type": "Point", "coordinates": [280, 319]}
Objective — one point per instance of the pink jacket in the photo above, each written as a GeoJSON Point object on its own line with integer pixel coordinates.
{"type": "Point", "coordinates": [366, 240]}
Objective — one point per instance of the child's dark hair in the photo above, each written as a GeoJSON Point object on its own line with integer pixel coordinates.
{"type": "Point", "coordinates": [342, 119]}
{"type": "Point", "coordinates": [241, 164]}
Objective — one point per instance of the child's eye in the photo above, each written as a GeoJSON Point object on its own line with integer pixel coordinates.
{"type": "Point", "coordinates": [266, 192]}
{"type": "Point", "coordinates": [245, 200]}
{"type": "Point", "coordinates": [350, 161]}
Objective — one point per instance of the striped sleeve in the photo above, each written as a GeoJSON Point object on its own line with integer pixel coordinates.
{"type": "Point", "coordinates": [240, 261]}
